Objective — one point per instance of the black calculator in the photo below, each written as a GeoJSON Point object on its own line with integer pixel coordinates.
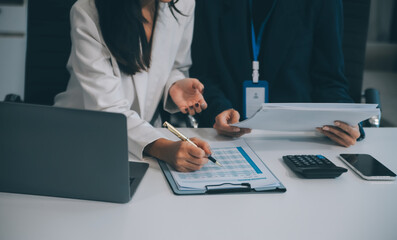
{"type": "Point", "coordinates": [313, 166]}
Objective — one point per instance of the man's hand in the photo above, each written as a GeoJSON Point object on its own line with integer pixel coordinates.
{"type": "Point", "coordinates": [187, 94]}
{"type": "Point", "coordinates": [223, 121]}
{"type": "Point", "coordinates": [341, 133]}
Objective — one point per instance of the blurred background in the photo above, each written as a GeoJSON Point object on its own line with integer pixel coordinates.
{"type": "Point", "coordinates": [380, 70]}
{"type": "Point", "coordinates": [376, 19]}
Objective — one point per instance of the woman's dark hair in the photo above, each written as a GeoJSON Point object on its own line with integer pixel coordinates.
{"type": "Point", "coordinates": [121, 24]}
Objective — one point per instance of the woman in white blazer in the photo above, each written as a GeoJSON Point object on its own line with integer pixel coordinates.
{"type": "Point", "coordinates": [129, 56]}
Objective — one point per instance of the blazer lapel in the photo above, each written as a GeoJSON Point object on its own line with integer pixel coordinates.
{"type": "Point", "coordinates": [146, 83]}
{"type": "Point", "coordinates": [233, 37]}
{"type": "Point", "coordinates": [280, 34]}
{"type": "Point", "coordinates": [141, 82]}
{"type": "Point", "coordinates": [160, 66]}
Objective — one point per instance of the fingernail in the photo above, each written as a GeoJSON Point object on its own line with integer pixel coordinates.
{"type": "Point", "coordinates": [326, 128]}
{"type": "Point", "coordinates": [236, 129]}
{"type": "Point", "coordinates": [196, 104]}
{"type": "Point", "coordinates": [337, 123]}
{"type": "Point", "coordinates": [203, 105]}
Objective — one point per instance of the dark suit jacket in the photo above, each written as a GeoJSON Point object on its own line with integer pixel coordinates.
{"type": "Point", "coordinates": [301, 53]}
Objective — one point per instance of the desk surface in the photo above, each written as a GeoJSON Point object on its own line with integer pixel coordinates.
{"type": "Point", "coordinates": [347, 207]}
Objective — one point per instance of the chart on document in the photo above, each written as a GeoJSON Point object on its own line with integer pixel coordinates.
{"type": "Point", "coordinates": [239, 165]}
{"type": "Point", "coordinates": [235, 164]}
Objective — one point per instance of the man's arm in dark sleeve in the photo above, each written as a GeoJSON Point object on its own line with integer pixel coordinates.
{"type": "Point", "coordinates": [328, 77]}
{"type": "Point", "coordinates": [204, 66]}
{"type": "Point", "coordinates": [327, 72]}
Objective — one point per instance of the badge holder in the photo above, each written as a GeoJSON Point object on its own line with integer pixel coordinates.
{"type": "Point", "coordinates": [253, 96]}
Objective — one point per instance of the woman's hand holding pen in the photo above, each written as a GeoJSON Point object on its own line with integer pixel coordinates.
{"type": "Point", "coordinates": [187, 94]}
{"type": "Point", "coordinates": [181, 155]}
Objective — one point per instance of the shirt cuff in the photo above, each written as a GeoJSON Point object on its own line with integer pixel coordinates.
{"type": "Point", "coordinates": [362, 132]}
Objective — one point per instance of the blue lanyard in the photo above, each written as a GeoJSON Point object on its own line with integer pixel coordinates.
{"type": "Point", "coordinates": [256, 42]}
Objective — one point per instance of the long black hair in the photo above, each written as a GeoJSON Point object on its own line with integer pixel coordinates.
{"type": "Point", "coordinates": [121, 24]}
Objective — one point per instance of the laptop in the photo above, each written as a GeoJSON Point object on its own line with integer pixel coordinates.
{"type": "Point", "coordinates": [69, 153]}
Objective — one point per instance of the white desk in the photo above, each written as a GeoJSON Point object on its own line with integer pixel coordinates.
{"type": "Point", "coordinates": [343, 208]}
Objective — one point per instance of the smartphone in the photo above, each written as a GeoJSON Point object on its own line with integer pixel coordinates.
{"type": "Point", "coordinates": [367, 167]}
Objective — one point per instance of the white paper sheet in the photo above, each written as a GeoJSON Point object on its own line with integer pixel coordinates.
{"type": "Point", "coordinates": [240, 165]}
{"type": "Point", "coordinates": [307, 116]}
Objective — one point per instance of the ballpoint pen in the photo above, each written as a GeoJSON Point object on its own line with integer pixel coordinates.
{"type": "Point", "coordinates": [183, 138]}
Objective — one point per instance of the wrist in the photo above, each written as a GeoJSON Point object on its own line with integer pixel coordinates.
{"type": "Point", "coordinates": [157, 148]}
{"type": "Point", "coordinates": [172, 89]}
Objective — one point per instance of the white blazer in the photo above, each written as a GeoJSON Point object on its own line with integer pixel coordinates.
{"type": "Point", "coordinates": [96, 82]}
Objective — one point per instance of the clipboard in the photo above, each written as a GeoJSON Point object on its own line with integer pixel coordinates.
{"type": "Point", "coordinates": [226, 187]}
{"type": "Point", "coordinates": [217, 189]}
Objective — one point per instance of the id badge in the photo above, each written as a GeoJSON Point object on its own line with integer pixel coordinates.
{"type": "Point", "coordinates": [254, 94]}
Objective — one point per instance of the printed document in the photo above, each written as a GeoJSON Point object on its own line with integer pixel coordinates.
{"type": "Point", "coordinates": [307, 116]}
{"type": "Point", "coordinates": [240, 165]}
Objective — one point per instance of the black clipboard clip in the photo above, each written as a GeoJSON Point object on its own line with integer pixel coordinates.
{"type": "Point", "coordinates": [228, 188]}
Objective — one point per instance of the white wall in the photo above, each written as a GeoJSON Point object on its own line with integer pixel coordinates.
{"type": "Point", "coordinates": [13, 27]}
{"type": "Point", "coordinates": [381, 15]}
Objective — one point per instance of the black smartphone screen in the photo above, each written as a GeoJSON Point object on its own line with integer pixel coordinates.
{"type": "Point", "coordinates": [367, 165]}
